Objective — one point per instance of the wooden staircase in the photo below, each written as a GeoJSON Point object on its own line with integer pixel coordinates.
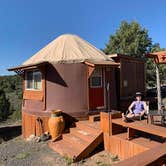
{"type": "Point", "coordinates": [80, 141]}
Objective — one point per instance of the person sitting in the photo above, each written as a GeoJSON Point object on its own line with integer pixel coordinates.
{"type": "Point", "coordinates": [136, 110]}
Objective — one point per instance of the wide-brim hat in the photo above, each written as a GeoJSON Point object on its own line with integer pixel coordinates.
{"type": "Point", "coordinates": [138, 94]}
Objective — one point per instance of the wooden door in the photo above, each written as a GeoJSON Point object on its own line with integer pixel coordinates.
{"type": "Point", "coordinates": [111, 95]}
{"type": "Point", "coordinates": [96, 89]}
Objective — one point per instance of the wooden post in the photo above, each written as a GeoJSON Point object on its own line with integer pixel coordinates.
{"type": "Point", "coordinates": [130, 133]}
{"type": "Point", "coordinates": [158, 88]}
{"type": "Point", "coordinates": [108, 98]}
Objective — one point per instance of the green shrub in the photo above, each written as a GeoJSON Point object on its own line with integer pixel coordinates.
{"type": "Point", "coordinates": [4, 106]}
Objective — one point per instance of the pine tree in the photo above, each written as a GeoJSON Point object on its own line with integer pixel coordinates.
{"type": "Point", "coordinates": [130, 39]}
{"type": "Point", "coordinates": [133, 40]}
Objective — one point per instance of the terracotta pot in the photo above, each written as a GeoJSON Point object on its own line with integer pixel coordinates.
{"type": "Point", "coordinates": [56, 124]}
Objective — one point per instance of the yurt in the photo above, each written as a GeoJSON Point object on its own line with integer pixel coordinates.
{"type": "Point", "coordinates": [68, 74]}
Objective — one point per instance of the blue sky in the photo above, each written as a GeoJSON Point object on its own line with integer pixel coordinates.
{"type": "Point", "coordinates": [28, 25]}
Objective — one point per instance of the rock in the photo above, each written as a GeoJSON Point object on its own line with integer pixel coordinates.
{"type": "Point", "coordinates": [37, 139]}
{"type": "Point", "coordinates": [31, 137]}
{"type": "Point", "coordinates": [1, 140]}
{"type": "Point", "coordinates": [45, 137]}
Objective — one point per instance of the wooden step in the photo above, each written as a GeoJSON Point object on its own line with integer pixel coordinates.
{"type": "Point", "coordinates": [80, 143]}
{"type": "Point", "coordinates": [93, 118]}
{"type": "Point", "coordinates": [85, 135]}
{"type": "Point", "coordinates": [88, 127]}
{"type": "Point", "coordinates": [95, 125]}
{"type": "Point", "coordinates": [92, 145]}
{"type": "Point", "coordinates": [64, 148]}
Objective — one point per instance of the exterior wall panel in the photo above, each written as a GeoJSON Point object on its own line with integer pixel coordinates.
{"type": "Point", "coordinates": [67, 88]}
{"type": "Point", "coordinates": [132, 77]}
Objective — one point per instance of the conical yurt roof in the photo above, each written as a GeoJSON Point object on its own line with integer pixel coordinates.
{"type": "Point", "coordinates": [67, 48]}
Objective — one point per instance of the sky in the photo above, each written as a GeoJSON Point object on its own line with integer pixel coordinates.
{"type": "Point", "coordinates": [28, 25]}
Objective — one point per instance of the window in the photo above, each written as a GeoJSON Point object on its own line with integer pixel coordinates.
{"type": "Point", "coordinates": [96, 79]}
{"type": "Point", "coordinates": [34, 80]}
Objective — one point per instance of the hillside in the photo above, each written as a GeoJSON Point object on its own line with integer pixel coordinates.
{"type": "Point", "coordinates": [10, 97]}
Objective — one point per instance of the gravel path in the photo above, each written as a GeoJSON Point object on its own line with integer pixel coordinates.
{"type": "Point", "coordinates": [18, 152]}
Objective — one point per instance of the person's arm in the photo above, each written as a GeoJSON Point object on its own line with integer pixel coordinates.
{"type": "Point", "coordinates": [130, 107]}
{"type": "Point", "coordinates": [145, 107]}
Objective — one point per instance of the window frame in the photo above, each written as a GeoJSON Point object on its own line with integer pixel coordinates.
{"type": "Point", "coordinates": [97, 74]}
{"type": "Point", "coordinates": [26, 80]}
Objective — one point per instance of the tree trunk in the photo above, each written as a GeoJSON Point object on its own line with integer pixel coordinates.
{"type": "Point", "coordinates": [158, 87]}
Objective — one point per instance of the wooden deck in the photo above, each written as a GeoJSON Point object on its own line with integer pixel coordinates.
{"type": "Point", "coordinates": [80, 141]}
{"type": "Point", "coordinates": [130, 139]}
{"type": "Point", "coordinates": [154, 157]}
{"type": "Point", "coordinates": [142, 126]}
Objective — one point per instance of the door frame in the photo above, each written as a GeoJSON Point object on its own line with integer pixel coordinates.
{"type": "Point", "coordinates": [103, 86]}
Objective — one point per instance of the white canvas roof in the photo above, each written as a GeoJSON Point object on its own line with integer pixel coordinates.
{"type": "Point", "coordinates": [67, 48]}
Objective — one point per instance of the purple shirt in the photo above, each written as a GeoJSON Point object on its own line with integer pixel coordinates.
{"type": "Point", "coordinates": [138, 107]}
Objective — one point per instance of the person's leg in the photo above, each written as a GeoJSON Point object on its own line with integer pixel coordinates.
{"type": "Point", "coordinates": [130, 115]}
{"type": "Point", "coordinates": [128, 118]}
{"type": "Point", "coordinates": [142, 113]}
{"type": "Point", "coordinates": [137, 116]}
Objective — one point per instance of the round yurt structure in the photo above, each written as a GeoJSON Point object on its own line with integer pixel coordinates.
{"type": "Point", "coordinates": [56, 77]}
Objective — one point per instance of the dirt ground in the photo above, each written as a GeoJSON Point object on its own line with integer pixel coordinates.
{"type": "Point", "coordinates": [18, 152]}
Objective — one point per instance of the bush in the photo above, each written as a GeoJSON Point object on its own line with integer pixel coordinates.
{"type": "Point", "coordinates": [4, 106]}
{"type": "Point", "coordinates": [10, 97]}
